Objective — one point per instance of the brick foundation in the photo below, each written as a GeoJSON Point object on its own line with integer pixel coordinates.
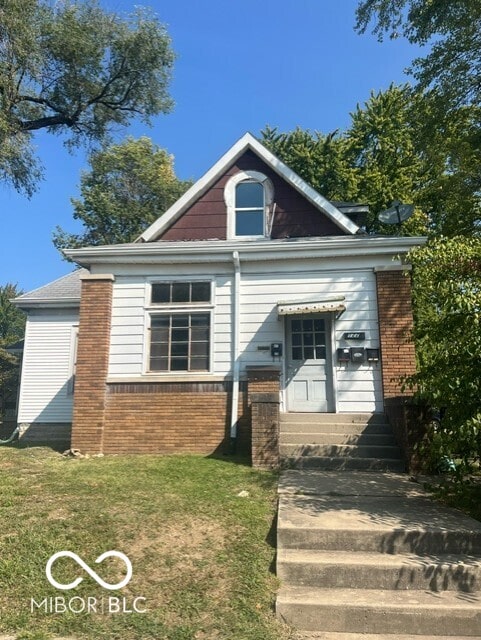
{"type": "Point", "coordinates": [167, 417]}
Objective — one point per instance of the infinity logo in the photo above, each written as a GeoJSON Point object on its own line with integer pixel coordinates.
{"type": "Point", "coordinates": [91, 572]}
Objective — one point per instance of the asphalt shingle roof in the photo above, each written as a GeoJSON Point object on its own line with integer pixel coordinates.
{"type": "Point", "coordinates": [65, 287]}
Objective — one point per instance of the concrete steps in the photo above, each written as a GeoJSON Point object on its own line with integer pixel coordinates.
{"type": "Point", "coordinates": [378, 611]}
{"type": "Point", "coordinates": [357, 441]}
{"type": "Point", "coordinates": [364, 570]}
{"type": "Point", "coordinates": [365, 553]}
{"type": "Point", "coordinates": [333, 635]}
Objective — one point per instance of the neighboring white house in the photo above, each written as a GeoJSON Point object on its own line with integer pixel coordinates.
{"type": "Point", "coordinates": [251, 270]}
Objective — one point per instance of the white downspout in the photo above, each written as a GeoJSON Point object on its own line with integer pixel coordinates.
{"type": "Point", "coordinates": [235, 347]}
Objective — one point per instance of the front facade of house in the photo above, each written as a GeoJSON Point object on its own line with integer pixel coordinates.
{"type": "Point", "coordinates": [252, 282]}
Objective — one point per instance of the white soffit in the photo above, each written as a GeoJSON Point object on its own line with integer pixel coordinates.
{"type": "Point", "coordinates": [200, 187]}
{"type": "Point", "coordinates": [298, 307]}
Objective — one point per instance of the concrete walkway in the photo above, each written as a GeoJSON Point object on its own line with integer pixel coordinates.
{"type": "Point", "coordinates": [371, 553]}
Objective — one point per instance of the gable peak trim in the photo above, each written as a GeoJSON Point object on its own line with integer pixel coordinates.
{"type": "Point", "coordinates": [246, 142]}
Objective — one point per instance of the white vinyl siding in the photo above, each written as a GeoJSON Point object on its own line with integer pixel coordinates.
{"type": "Point", "coordinates": [47, 367]}
{"type": "Point", "coordinates": [359, 387]}
{"type": "Point", "coordinates": [129, 345]}
{"type": "Point", "coordinates": [263, 285]}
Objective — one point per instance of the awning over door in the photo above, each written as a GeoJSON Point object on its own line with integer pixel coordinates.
{"type": "Point", "coordinates": [327, 305]}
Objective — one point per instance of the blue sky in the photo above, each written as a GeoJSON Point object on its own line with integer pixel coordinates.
{"type": "Point", "coordinates": [240, 66]}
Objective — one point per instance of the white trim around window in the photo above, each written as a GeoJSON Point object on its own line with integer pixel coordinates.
{"type": "Point", "coordinates": [171, 310]}
{"type": "Point", "coordinates": [230, 201]}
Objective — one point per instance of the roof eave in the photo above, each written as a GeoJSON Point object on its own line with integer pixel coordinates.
{"type": "Point", "coordinates": [32, 303]}
{"type": "Point", "coordinates": [201, 251]}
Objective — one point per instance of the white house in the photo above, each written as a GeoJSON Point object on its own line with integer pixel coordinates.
{"type": "Point", "coordinates": [251, 281]}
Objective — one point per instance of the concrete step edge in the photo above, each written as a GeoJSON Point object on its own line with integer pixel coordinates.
{"type": "Point", "coordinates": [379, 598]}
{"type": "Point", "coordinates": [341, 450]}
{"type": "Point", "coordinates": [339, 635]}
{"type": "Point", "coordinates": [362, 558]}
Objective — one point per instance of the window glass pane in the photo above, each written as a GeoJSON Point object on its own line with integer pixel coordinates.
{"type": "Point", "coordinates": [308, 353]}
{"type": "Point", "coordinates": [296, 339]}
{"type": "Point", "coordinates": [201, 292]}
{"type": "Point", "coordinates": [320, 353]}
{"type": "Point", "coordinates": [200, 320]}
{"type": "Point", "coordinates": [160, 321]}
{"type": "Point", "coordinates": [199, 349]}
{"type": "Point", "coordinates": [200, 333]}
{"type": "Point", "coordinates": [161, 293]}
{"type": "Point", "coordinates": [249, 195]}
{"type": "Point", "coordinates": [180, 321]}
{"type": "Point", "coordinates": [159, 335]}
{"type": "Point", "coordinates": [307, 325]}
{"type": "Point", "coordinates": [297, 353]}
{"type": "Point", "coordinates": [179, 364]}
{"type": "Point", "coordinates": [181, 292]}
{"type": "Point", "coordinates": [308, 339]}
{"type": "Point", "coordinates": [157, 350]}
{"type": "Point", "coordinates": [319, 325]}
{"type": "Point", "coordinates": [296, 325]}
{"type": "Point", "coordinates": [320, 339]}
{"type": "Point", "coordinates": [199, 364]}
{"type": "Point", "coordinates": [159, 364]}
{"type": "Point", "coordinates": [180, 335]}
{"type": "Point", "coordinates": [179, 349]}
{"type": "Point", "coordinates": [249, 223]}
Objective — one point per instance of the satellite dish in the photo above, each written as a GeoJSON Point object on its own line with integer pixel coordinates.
{"type": "Point", "coordinates": [397, 213]}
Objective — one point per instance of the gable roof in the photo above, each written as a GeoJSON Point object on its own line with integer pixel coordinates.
{"type": "Point", "coordinates": [202, 185]}
{"type": "Point", "coordinates": [64, 291]}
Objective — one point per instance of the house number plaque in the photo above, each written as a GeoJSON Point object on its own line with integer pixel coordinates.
{"type": "Point", "coordinates": [355, 335]}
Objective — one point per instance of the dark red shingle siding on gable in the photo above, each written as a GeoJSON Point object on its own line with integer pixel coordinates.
{"type": "Point", "coordinates": [295, 216]}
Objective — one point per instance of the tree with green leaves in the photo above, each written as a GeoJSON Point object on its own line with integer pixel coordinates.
{"type": "Point", "coordinates": [452, 31]}
{"type": "Point", "coordinates": [70, 67]}
{"type": "Point", "coordinates": [391, 151]}
{"type": "Point", "coordinates": [381, 145]}
{"type": "Point", "coordinates": [128, 186]}
{"type": "Point", "coordinates": [12, 327]}
{"type": "Point", "coordinates": [447, 302]}
{"type": "Point", "coordinates": [320, 159]}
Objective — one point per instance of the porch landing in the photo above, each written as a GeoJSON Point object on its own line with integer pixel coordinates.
{"type": "Point", "coordinates": [371, 553]}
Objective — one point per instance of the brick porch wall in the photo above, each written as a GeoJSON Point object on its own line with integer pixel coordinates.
{"type": "Point", "coordinates": [263, 399]}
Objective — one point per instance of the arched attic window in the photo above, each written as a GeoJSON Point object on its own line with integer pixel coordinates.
{"type": "Point", "coordinates": [249, 196]}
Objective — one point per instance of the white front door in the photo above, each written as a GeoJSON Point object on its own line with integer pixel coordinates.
{"type": "Point", "coordinates": [308, 363]}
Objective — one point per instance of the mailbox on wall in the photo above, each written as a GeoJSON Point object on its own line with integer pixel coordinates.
{"type": "Point", "coordinates": [358, 355]}
{"type": "Point", "coordinates": [344, 355]}
{"type": "Point", "coordinates": [372, 355]}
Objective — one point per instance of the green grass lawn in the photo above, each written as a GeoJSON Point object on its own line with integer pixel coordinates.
{"type": "Point", "coordinates": [202, 556]}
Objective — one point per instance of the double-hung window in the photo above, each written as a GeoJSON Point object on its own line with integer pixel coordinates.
{"type": "Point", "coordinates": [249, 197]}
{"type": "Point", "coordinates": [249, 209]}
{"type": "Point", "coordinates": [180, 327]}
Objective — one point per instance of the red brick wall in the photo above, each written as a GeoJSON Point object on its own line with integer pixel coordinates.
{"type": "Point", "coordinates": [92, 363]}
{"type": "Point", "coordinates": [170, 418]}
{"type": "Point", "coordinates": [263, 398]}
{"type": "Point", "coordinates": [295, 216]}
{"type": "Point", "coordinates": [395, 327]}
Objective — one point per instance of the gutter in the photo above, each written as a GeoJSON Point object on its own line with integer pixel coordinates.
{"type": "Point", "coordinates": [220, 250]}
{"type": "Point", "coordinates": [235, 350]}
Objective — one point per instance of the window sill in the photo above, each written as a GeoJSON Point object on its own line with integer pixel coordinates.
{"type": "Point", "coordinates": [187, 377]}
